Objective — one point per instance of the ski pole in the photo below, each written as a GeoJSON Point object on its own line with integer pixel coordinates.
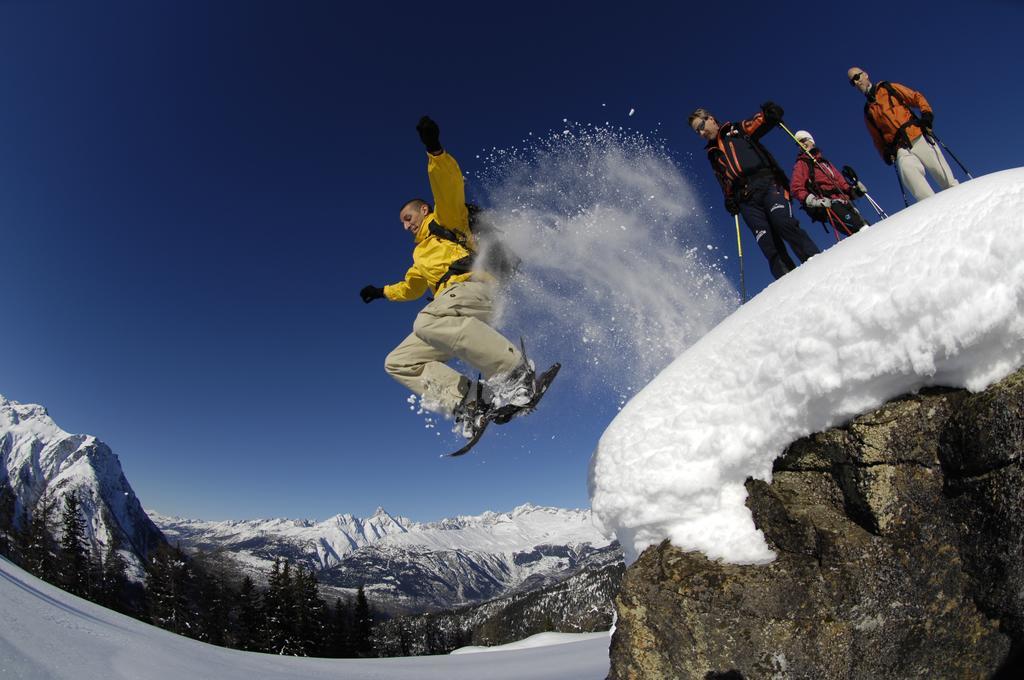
{"type": "Point", "coordinates": [739, 247]}
{"type": "Point", "coordinates": [931, 133]}
{"type": "Point", "coordinates": [851, 176]}
{"type": "Point", "coordinates": [878, 208]}
{"type": "Point", "coordinates": [806, 152]}
{"type": "Point", "coordinates": [833, 218]}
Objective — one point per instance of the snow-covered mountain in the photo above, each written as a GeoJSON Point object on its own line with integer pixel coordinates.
{"type": "Point", "coordinates": [932, 296]}
{"type": "Point", "coordinates": [411, 565]}
{"type": "Point", "coordinates": [39, 459]}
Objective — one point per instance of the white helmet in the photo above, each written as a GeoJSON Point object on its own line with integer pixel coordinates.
{"type": "Point", "coordinates": [804, 136]}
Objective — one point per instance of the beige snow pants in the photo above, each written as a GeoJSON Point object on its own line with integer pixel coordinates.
{"type": "Point", "coordinates": [924, 155]}
{"type": "Point", "coordinates": [454, 325]}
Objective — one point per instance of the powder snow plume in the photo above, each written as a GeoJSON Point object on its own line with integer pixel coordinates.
{"type": "Point", "coordinates": [618, 274]}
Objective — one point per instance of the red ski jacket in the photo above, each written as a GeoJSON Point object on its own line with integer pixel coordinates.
{"type": "Point", "coordinates": [821, 179]}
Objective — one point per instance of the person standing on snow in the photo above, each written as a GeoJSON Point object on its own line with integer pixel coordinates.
{"type": "Point", "coordinates": [902, 137]}
{"type": "Point", "coordinates": [456, 323]}
{"type": "Point", "coordinates": [753, 184]}
{"type": "Point", "coordinates": [822, 189]}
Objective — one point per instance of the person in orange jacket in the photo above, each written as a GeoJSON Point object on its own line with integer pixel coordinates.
{"type": "Point", "coordinates": [456, 324]}
{"type": "Point", "coordinates": [901, 136]}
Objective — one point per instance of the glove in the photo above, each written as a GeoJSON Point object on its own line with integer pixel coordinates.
{"type": "Point", "coordinates": [858, 190]}
{"type": "Point", "coordinates": [773, 113]}
{"type": "Point", "coordinates": [927, 118]}
{"type": "Point", "coordinates": [371, 293]}
{"type": "Point", "coordinates": [815, 202]}
{"type": "Point", "coordinates": [731, 206]}
{"type": "Point", "coordinates": [890, 158]}
{"type": "Point", "coordinates": [430, 135]}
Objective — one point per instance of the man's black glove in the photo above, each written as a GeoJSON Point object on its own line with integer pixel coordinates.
{"type": "Point", "coordinates": [927, 118]}
{"type": "Point", "coordinates": [430, 135]}
{"type": "Point", "coordinates": [732, 206]}
{"type": "Point", "coordinates": [889, 158]}
{"type": "Point", "coordinates": [371, 293]}
{"type": "Point", "coordinates": [773, 113]}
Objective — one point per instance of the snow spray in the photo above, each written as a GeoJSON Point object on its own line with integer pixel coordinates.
{"type": "Point", "coordinates": [618, 276]}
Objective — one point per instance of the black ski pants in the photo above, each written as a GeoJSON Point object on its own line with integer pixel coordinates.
{"type": "Point", "coordinates": [769, 216]}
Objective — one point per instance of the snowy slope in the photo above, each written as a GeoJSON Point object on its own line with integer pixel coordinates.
{"type": "Point", "coordinates": [37, 457]}
{"type": "Point", "coordinates": [931, 296]}
{"type": "Point", "coordinates": [49, 634]}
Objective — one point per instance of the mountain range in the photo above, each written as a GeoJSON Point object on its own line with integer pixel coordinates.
{"type": "Point", "coordinates": [412, 566]}
{"type": "Point", "coordinates": [404, 566]}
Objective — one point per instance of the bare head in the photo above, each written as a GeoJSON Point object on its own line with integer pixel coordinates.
{"type": "Point", "coordinates": [704, 124]}
{"type": "Point", "coordinates": [859, 79]}
{"type": "Point", "coordinates": [412, 215]}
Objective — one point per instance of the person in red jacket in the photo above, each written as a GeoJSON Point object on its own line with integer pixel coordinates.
{"type": "Point", "coordinates": [902, 137]}
{"type": "Point", "coordinates": [822, 189]}
{"type": "Point", "coordinates": [753, 184]}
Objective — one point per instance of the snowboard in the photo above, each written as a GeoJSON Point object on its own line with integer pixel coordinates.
{"type": "Point", "coordinates": [502, 415]}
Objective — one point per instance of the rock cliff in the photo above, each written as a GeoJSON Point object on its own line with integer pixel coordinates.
{"type": "Point", "coordinates": [900, 553]}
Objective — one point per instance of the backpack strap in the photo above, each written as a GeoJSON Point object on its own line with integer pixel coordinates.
{"type": "Point", "coordinates": [463, 265]}
{"type": "Point", "coordinates": [809, 185]}
{"type": "Point", "coordinates": [448, 234]}
{"type": "Point", "coordinates": [900, 138]}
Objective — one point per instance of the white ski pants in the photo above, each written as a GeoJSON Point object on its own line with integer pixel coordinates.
{"type": "Point", "coordinates": [912, 163]}
{"type": "Point", "coordinates": [453, 326]}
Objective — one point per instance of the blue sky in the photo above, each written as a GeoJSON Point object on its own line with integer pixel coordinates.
{"type": "Point", "coordinates": [192, 194]}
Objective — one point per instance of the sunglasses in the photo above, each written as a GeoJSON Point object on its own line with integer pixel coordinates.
{"type": "Point", "coordinates": [700, 126]}
{"type": "Point", "coordinates": [855, 78]}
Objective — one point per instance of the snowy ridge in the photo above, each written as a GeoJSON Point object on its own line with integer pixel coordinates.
{"type": "Point", "coordinates": [522, 529]}
{"type": "Point", "coordinates": [37, 457]}
{"type": "Point", "coordinates": [329, 540]}
{"type": "Point", "coordinates": [931, 296]}
{"type": "Point", "coordinates": [414, 566]}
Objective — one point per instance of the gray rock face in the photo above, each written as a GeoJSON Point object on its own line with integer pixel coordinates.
{"type": "Point", "coordinates": [900, 544]}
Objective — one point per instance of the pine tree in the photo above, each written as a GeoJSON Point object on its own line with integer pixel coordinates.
{"type": "Point", "coordinates": [339, 644]}
{"type": "Point", "coordinates": [247, 627]}
{"type": "Point", "coordinates": [7, 505]}
{"type": "Point", "coordinates": [39, 548]}
{"type": "Point", "coordinates": [309, 613]}
{"type": "Point", "coordinates": [213, 614]}
{"type": "Point", "coordinates": [168, 579]}
{"type": "Point", "coordinates": [23, 539]}
{"type": "Point", "coordinates": [74, 553]}
{"type": "Point", "coordinates": [114, 578]}
{"type": "Point", "coordinates": [362, 626]}
{"type": "Point", "coordinates": [280, 610]}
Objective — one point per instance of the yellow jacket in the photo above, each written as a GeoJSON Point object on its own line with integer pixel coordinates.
{"type": "Point", "coordinates": [433, 255]}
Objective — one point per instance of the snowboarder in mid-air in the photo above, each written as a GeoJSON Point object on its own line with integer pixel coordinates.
{"type": "Point", "coordinates": [456, 323]}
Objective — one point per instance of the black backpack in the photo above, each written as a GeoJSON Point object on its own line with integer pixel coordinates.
{"type": "Point", "coordinates": [492, 254]}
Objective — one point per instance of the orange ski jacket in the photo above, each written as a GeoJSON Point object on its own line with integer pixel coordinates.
{"type": "Point", "coordinates": [889, 117]}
